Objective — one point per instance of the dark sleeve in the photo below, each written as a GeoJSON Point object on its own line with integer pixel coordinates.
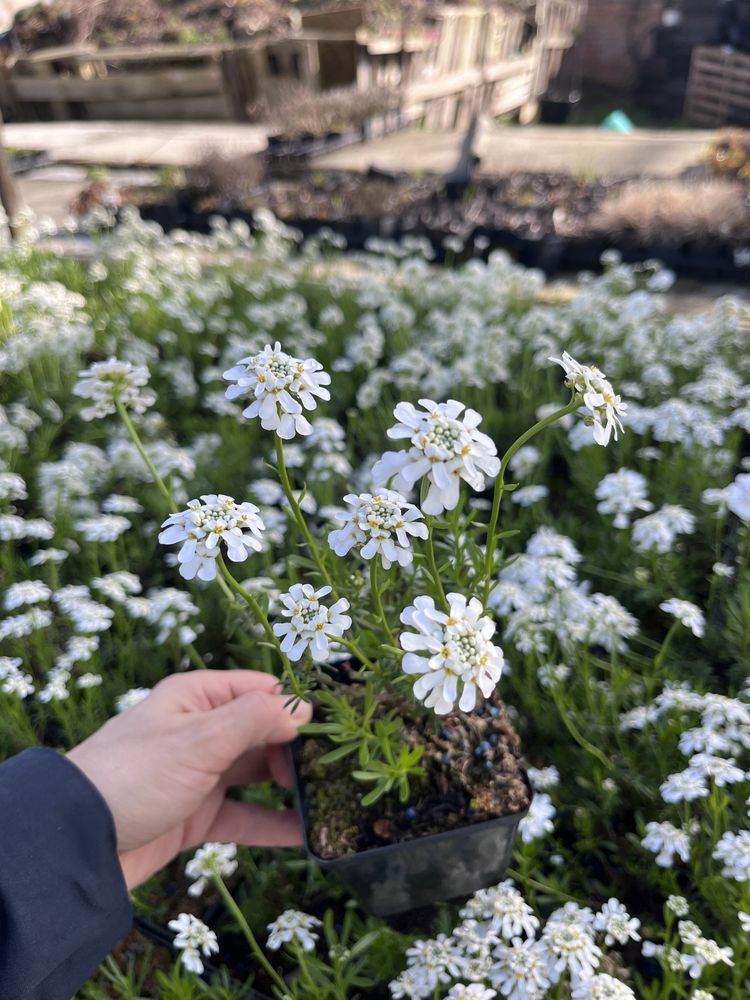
{"type": "Point", "coordinates": [63, 901]}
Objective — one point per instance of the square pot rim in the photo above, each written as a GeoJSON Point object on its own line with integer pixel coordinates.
{"type": "Point", "coordinates": [385, 850]}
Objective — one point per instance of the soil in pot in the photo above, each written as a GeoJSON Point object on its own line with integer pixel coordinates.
{"type": "Point", "coordinates": [474, 774]}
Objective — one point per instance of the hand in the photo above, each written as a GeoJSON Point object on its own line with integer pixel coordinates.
{"type": "Point", "coordinates": [164, 766]}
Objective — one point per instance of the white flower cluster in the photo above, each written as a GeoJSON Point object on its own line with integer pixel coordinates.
{"type": "Point", "coordinates": [293, 926]}
{"type": "Point", "coordinates": [281, 386]}
{"type": "Point", "coordinates": [379, 525]}
{"type": "Point", "coordinates": [445, 448]}
{"type": "Point", "coordinates": [209, 861]}
{"type": "Point", "coordinates": [596, 393]}
{"type": "Point", "coordinates": [204, 525]}
{"type": "Point", "coordinates": [496, 946]}
{"type": "Point", "coordinates": [459, 649]}
{"type": "Point", "coordinates": [194, 938]}
{"type": "Point", "coordinates": [106, 383]}
{"type": "Point", "coordinates": [311, 625]}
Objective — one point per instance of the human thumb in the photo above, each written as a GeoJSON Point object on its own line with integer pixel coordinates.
{"type": "Point", "coordinates": [252, 720]}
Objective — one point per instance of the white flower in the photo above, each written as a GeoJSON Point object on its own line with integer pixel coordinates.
{"type": "Point", "coordinates": [293, 925]}
{"type": "Point", "coordinates": [706, 952]}
{"type": "Point", "coordinates": [25, 592]}
{"type": "Point", "coordinates": [474, 991]}
{"type": "Point", "coordinates": [89, 680]}
{"type": "Point", "coordinates": [592, 387]}
{"type": "Point", "coordinates": [13, 680]}
{"type": "Point", "coordinates": [204, 525]}
{"type": "Point", "coordinates": [508, 913]}
{"type": "Point", "coordinates": [312, 625]}
{"type": "Point", "coordinates": [103, 527]}
{"type": "Point", "coordinates": [382, 525]}
{"type": "Point", "coordinates": [744, 919]}
{"type": "Point", "coordinates": [602, 987]}
{"type": "Point", "coordinates": [684, 786]}
{"type": "Point", "coordinates": [722, 770]}
{"type": "Point", "coordinates": [521, 970]}
{"type": "Point", "coordinates": [438, 960]}
{"type": "Point", "coordinates": [572, 946]}
{"type": "Point", "coordinates": [622, 492]}
{"type": "Point", "coordinates": [657, 532]}
{"type": "Point", "coordinates": [443, 448]}
{"type": "Point", "coordinates": [723, 570]}
{"type": "Point", "coordinates": [617, 923]}
{"type": "Point", "coordinates": [666, 841]}
{"type": "Point", "coordinates": [524, 461]}
{"type": "Point", "coordinates": [738, 496]}
{"type": "Point", "coordinates": [543, 778]}
{"type": "Point", "coordinates": [208, 861]}
{"type": "Point", "coordinates": [690, 615]}
{"type": "Point", "coordinates": [734, 850]}
{"type": "Point", "coordinates": [459, 647]}
{"type": "Point", "coordinates": [678, 905]}
{"type": "Point", "coordinates": [281, 386]}
{"type": "Point", "coordinates": [538, 821]}
{"type": "Point", "coordinates": [108, 382]}
{"type": "Point", "coordinates": [410, 985]}
{"type": "Point", "coordinates": [194, 938]}
{"type": "Point", "coordinates": [525, 496]}
{"type": "Point", "coordinates": [131, 698]}
{"type": "Point", "coordinates": [118, 503]}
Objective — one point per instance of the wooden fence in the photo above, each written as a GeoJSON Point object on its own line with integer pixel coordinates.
{"type": "Point", "coordinates": [718, 90]}
{"type": "Point", "coordinates": [490, 58]}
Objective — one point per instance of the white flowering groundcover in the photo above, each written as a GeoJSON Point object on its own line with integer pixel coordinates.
{"type": "Point", "coordinates": [195, 469]}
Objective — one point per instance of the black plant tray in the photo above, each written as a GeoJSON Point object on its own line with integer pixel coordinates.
{"type": "Point", "coordinates": [420, 872]}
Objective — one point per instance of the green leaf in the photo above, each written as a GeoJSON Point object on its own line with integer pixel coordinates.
{"type": "Point", "coordinates": [338, 753]}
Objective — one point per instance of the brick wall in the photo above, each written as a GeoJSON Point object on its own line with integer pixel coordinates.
{"type": "Point", "coordinates": [616, 36]}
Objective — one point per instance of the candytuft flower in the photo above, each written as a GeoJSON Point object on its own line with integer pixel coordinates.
{"type": "Point", "coordinates": [591, 386]}
{"type": "Point", "coordinates": [312, 625]}
{"type": "Point", "coordinates": [293, 925]}
{"type": "Point", "coordinates": [282, 386]}
{"type": "Point", "coordinates": [204, 525]}
{"type": "Point", "coordinates": [381, 524]}
{"type": "Point", "coordinates": [458, 647]}
{"type": "Point", "coordinates": [193, 937]}
{"type": "Point", "coordinates": [445, 448]}
{"type": "Point", "coordinates": [210, 861]}
{"type": "Point", "coordinates": [687, 613]}
{"type": "Point", "coordinates": [107, 382]}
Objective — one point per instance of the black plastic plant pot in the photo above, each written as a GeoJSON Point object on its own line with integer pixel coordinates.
{"type": "Point", "coordinates": [426, 870]}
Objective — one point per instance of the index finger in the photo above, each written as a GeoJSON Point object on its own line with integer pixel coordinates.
{"type": "Point", "coordinates": [204, 690]}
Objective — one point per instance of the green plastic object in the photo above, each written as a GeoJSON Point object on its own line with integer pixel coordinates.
{"type": "Point", "coordinates": [617, 121]}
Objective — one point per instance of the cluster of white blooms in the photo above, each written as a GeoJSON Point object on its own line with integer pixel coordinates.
{"type": "Point", "coordinates": [194, 939]}
{"type": "Point", "coordinates": [25, 592]}
{"type": "Point", "coordinates": [596, 393]}
{"type": "Point", "coordinates": [293, 926]}
{"type": "Point", "coordinates": [621, 493]}
{"type": "Point", "coordinates": [699, 952]}
{"type": "Point", "coordinates": [537, 822]}
{"type": "Point", "coordinates": [381, 525]}
{"type": "Point", "coordinates": [204, 525]}
{"type": "Point", "coordinates": [445, 448]}
{"type": "Point", "coordinates": [129, 699]}
{"type": "Point", "coordinates": [733, 849]}
{"type": "Point", "coordinates": [107, 383]}
{"type": "Point", "coordinates": [687, 613]}
{"type": "Point", "coordinates": [541, 596]}
{"type": "Point", "coordinates": [658, 532]}
{"type": "Point", "coordinates": [496, 945]}
{"type": "Point", "coordinates": [459, 650]}
{"type": "Point", "coordinates": [311, 625]}
{"type": "Point", "coordinates": [209, 861]}
{"type": "Point", "coordinates": [282, 387]}
{"type": "Point", "coordinates": [13, 680]}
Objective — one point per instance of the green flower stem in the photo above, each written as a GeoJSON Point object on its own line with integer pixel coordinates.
{"type": "Point", "coordinates": [433, 562]}
{"type": "Point", "coordinates": [354, 648]}
{"type": "Point", "coordinates": [660, 656]}
{"type": "Point", "coordinates": [378, 602]}
{"type": "Point", "coordinates": [574, 731]}
{"type": "Point", "coordinates": [541, 887]}
{"type": "Point", "coordinates": [298, 516]}
{"type": "Point", "coordinates": [573, 405]}
{"type": "Point", "coordinates": [135, 438]}
{"type": "Point", "coordinates": [228, 583]}
{"type": "Point", "coordinates": [249, 936]}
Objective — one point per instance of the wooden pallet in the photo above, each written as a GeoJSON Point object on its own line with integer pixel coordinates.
{"type": "Point", "coordinates": [718, 90]}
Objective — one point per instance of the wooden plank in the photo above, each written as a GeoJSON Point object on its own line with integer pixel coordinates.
{"type": "Point", "coordinates": [198, 108]}
{"type": "Point", "coordinates": [173, 83]}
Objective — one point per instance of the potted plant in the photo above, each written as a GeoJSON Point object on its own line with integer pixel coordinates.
{"type": "Point", "coordinates": [409, 776]}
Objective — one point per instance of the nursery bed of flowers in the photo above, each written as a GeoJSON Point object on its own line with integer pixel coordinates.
{"type": "Point", "coordinates": [611, 606]}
